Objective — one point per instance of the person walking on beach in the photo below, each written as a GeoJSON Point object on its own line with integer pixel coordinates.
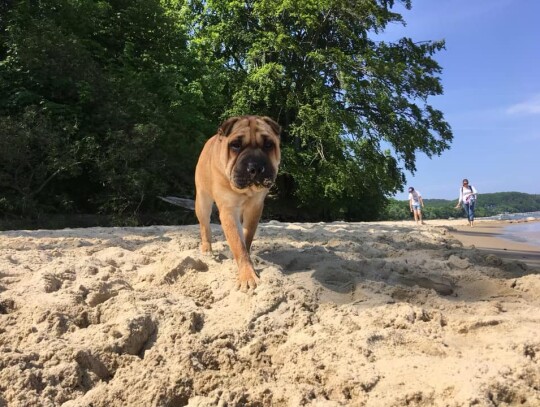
{"type": "Point", "coordinates": [467, 198]}
{"type": "Point", "coordinates": [415, 201]}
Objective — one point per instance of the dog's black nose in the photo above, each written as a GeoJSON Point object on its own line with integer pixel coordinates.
{"type": "Point", "coordinates": [255, 169]}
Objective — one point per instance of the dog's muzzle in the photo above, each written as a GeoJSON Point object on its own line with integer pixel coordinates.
{"type": "Point", "coordinates": [254, 171]}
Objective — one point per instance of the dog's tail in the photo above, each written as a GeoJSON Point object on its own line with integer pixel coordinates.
{"type": "Point", "coordinates": [183, 202]}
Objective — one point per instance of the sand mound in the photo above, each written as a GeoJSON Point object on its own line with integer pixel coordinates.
{"type": "Point", "coordinates": [359, 314]}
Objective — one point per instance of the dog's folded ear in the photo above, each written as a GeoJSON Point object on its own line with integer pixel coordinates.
{"type": "Point", "coordinates": [275, 127]}
{"type": "Point", "coordinates": [226, 127]}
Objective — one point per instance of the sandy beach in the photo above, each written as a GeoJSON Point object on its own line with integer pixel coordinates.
{"type": "Point", "coordinates": [347, 314]}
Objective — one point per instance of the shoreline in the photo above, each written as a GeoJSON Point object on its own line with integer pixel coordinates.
{"type": "Point", "coordinates": [487, 236]}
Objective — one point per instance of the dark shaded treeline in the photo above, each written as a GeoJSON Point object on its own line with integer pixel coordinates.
{"type": "Point", "coordinates": [105, 105]}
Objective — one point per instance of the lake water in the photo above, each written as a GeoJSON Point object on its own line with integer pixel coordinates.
{"type": "Point", "coordinates": [527, 232]}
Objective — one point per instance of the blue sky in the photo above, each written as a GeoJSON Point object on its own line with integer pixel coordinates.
{"type": "Point", "coordinates": [491, 80]}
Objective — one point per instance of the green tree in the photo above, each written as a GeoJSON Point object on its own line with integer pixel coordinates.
{"type": "Point", "coordinates": [354, 109]}
{"type": "Point", "coordinates": [103, 102]}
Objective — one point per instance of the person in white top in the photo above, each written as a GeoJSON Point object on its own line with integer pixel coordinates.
{"type": "Point", "coordinates": [467, 198]}
{"type": "Point", "coordinates": [415, 201]}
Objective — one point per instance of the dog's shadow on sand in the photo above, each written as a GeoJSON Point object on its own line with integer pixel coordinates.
{"type": "Point", "coordinates": [395, 265]}
{"type": "Point", "coordinates": [344, 276]}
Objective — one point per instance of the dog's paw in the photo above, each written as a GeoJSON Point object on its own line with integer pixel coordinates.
{"type": "Point", "coordinates": [206, 247]}
{"type": "Point", "coordinates": [247, 280]}
{"type": "Point", "coordinates": [206, 251]}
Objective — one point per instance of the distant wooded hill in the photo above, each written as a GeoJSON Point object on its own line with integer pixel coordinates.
{"type": "Point", "coordinates": [487, 205]}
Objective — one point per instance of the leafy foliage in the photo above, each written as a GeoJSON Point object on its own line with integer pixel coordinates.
{"type": "Point", "coordinates": [353, 108]}
{"type": "Point", "coordinates": [97, 111]}
{"type": "Point", "coordinates": [102, 114]}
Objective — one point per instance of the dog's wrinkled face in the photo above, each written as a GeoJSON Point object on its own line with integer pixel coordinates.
{"type": "Point", "coordinates": [253, 151]}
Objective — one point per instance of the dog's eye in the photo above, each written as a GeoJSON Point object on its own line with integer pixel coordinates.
{"type": "Point", "coordinates": [268, 145]}
{"type": "Point", "coordinates": [235, 146]}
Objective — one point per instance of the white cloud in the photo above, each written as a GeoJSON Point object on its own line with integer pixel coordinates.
{"type": "Point", "coordinates": [529, 107]}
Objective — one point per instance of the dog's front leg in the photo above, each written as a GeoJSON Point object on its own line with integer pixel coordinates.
{"type": "Point", "coordinates": [230, 222]}
{"type": "Point", "coordinates": [251, 217]}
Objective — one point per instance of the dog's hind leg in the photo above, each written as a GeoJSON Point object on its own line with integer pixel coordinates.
{"type": "Point", "coordinates": [203, 210]}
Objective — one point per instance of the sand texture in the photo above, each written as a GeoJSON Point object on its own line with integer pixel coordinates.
{"type": "Point", "coordinates": [347, 314]}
